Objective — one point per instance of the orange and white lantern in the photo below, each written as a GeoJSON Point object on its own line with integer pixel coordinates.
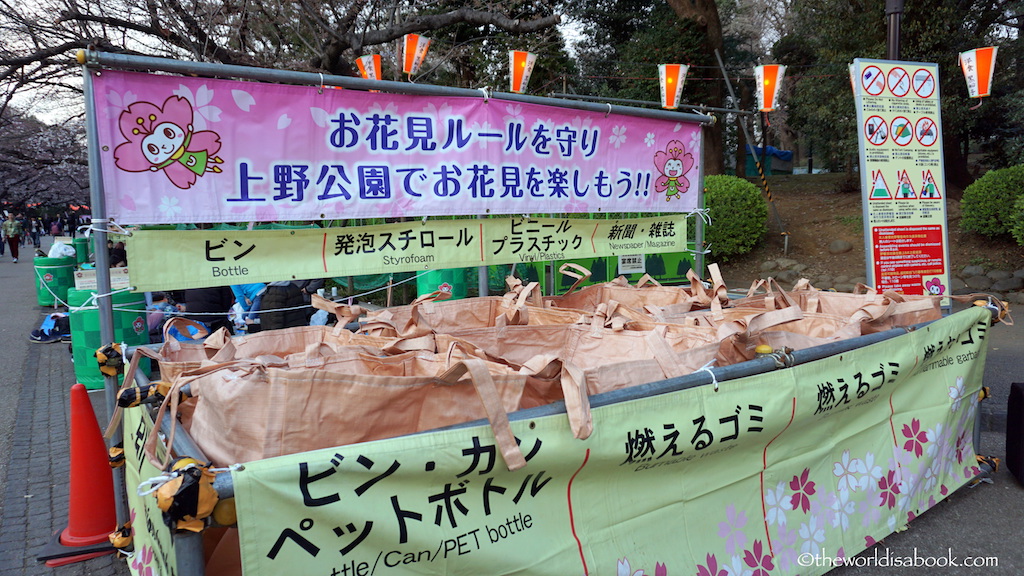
{"type": "Point", "coordinates": [415, 51]}
{"type": "Point", "coordinates": [672, 78]}
{"type": "Point", "coordinates": [979, 65]}
{"type": "Point", "coordinates": [369, 66]}
{"type": "Point", "coordinates": [520, 66]}
{"type": "Point", "coordinates": [769, 80]}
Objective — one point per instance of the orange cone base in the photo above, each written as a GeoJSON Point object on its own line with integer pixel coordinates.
{"type": "Point", "coordinates": [56, 553]}
{"type": "Point", "coordinates": [73, 559]}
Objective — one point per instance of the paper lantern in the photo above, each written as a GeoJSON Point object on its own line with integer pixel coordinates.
{"type": "Point", "coordinates": [520, 66]}
{"type": "Point", "coordinates": [415, 51]}
{"type": "Point", "coordinates": [672, 78]}
{"type": "Point", "coordinates": [369, 66]}
{"type": "Point", "coordinates": [979, 65]}
{"type": "Point", "coordinates": [769, 79]}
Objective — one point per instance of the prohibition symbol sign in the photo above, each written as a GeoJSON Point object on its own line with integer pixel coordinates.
{"type": "Point", "coordinates": [924, 83]}
{"type": "Point", "coordinates": [899, 82]}
{"type": "Point", "coordinates": [872, 80]}
{"type": "Point", "coordinates": [926, 131]}
{"type": "Point", "coordinates": [902, 131]}
{"type": "Point", "coordinates": [876, 130]}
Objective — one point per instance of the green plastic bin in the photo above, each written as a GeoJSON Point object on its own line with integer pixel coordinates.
{"type": "Point", "coordinates": [54, 277]}
{"type": "Point", "coordinates": [449, 280]}
{"type": "Point", "coordinates": [130, 329]}
{"type": "Point", "coordinates": [81, 250]}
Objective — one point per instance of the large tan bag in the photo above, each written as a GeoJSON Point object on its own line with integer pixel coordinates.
{"type": "Point", "coordinates": [249, 410]}
{"type": "Point", "coordinates": [647, 291]}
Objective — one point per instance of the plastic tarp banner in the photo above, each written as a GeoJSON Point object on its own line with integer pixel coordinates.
{"type": "Point", "coordinates": [774, 473]}
{"type": "Point", "coordinates": [217, 257]}
{"type": "Point", "coordinates": [178, 149]}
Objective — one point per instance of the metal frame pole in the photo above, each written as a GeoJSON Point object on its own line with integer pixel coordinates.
{"type": "Point", "coordinates": [144, 63]}
{"type": "Point", "coordinates": [103, 299]}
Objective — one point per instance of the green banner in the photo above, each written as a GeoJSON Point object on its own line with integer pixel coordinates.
{"type": "Point", "coordinates": [755, 475]}
{"type": "Point", "coordinates": [153, 545]}
{"type": "Point", "coordinates": [177, 259]}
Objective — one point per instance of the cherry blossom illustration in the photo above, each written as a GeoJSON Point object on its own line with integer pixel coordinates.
{"type": "Point", "coordinates": [843, 508]}
{"type": "Point", "coordinates": [846, 470]}
{"type": "Point", "coordinates": [758, 559]}
{"type": "Point", "coordinates": [916, 437]}
{"type": "Point", "coordinates": [737, 567]}
{"type": "Point", "coordinates": [243, 100]}
{"type": "Point", "coordinates": [872, 473]}
{"type": "Point", "coordinates": [732, 530]}
{"type": "Point", "coordinates": [625, 570]}
{"type": "Point", "coordinates": [142, 562]}
{"type": "Point", "coordinates": [649, 140]}
{"type": "Point", "coordinates": [513, 112]}
{"type": "Point", "coordinates": [870, 514]}
{"type": "Point", "coordinates": [804, 489]}
{"type": "Point", "coordinates": [117, 103]}
{"type": "Point", "coordinates": [575, 206]}
{"type": "Point", "coordinates": [710, 567]}
{"type": "Point", "coordinates": [618, 137]}
{"type": "Point", "coordinates": [776, 505]}
{"type": "Point", "coordinates": [890, 488]}
{"type": "Point", "coordinates": [201, 105]}
{"type": "Point", "coordinates": [812, 535]}
{"type": "Point", "coordinates": [169, 207]}
{"type": "Point", "coordinates": [785, 547]}
{"type": "Point", "coordinates": [956, 394]}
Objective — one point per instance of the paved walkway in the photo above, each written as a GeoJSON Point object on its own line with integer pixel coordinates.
{"type": "Point", "coordinates": [34, 423]}
{"type": "Point", "coordinates": [35, 379]}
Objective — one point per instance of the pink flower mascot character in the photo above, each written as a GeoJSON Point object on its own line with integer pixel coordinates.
{"type": "Point", "coordinates": [673, 164]}
{"type": "Point", "coordinates": [162, 139]}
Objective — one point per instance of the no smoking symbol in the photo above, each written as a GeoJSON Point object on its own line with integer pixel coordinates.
{"type": "Point", "coordinates": [899, 82]}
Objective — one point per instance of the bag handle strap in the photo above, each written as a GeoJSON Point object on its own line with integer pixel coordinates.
{"type": "Point", "coordinates": [129, 381]}
{"type": "Point", "coordinates": [573, 382]}
{"type": "Point", "coordinates": [576, 271]}
{"type": "Point", "coordinates": [496, 415]}
{"type": "Point", "coordinates": [182, 324]}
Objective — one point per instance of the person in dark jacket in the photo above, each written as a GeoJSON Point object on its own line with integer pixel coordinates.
{"type": "Point", "coordinates": [282, 306]}
{"type": "Point", "coordinates": [218, 299]}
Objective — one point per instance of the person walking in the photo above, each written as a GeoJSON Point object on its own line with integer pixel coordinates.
{"type": "Point", "coordinates": [12, 230]}
{"type": "Point", "coordinates": [35, 230]}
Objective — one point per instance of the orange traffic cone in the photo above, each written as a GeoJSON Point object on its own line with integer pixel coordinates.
{"type": "Point", "coordinates": [91, 516]}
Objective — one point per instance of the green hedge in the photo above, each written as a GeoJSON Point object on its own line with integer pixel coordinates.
{"type": "Point", "coordinates": [739, 216]}
{"type": "Point", "coordinates": [988, 206]}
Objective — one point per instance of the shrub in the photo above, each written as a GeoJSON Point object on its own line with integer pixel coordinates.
{"type": "Point", "coordinates": [1017, 220]}
{"type": "Point", "coordinates": [739, 216]}
{"type": "Point", "coordinates": [988, 204]}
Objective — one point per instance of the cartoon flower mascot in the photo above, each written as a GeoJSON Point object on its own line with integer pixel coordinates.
{"type": "Point", "coordinates": [673, 164]}
{"type": "Point", "coordinates": [162, 139]}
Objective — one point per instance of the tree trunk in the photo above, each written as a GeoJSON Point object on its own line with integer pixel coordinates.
{"type": "Point", "coordinates": [705, 14]}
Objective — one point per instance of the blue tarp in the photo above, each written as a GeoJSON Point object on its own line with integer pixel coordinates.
{"type": "Point", "coordinates": [784, 155]}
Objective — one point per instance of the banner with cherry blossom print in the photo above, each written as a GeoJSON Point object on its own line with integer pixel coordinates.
{"type": "Point", "coordinates": [185, 150]}
{"type": "Point", "coordinates": [743, 477]}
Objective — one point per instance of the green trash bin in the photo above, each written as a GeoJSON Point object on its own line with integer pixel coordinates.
{"type": "Point", "coordinates": [81, 250]}
{"type": "Point", "coordinates": [54, 277]}
{"type": "Point", "coordinates": [130, 329]}
{"type": "Point", "coordinates": [449, 280]}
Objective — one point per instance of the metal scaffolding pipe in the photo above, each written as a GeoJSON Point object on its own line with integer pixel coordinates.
{"type": "Point", "coordinates": [144, 63]}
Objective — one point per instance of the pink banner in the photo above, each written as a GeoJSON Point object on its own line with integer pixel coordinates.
{"type": "Point", "coordinates": [180, 150]}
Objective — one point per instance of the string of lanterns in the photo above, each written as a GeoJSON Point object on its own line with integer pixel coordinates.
{"type": "Point", "coordinates": [978, 66]}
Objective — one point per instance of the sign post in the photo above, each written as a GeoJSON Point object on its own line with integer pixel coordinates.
{"type": "Point", "coordinates": [903, 188]}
